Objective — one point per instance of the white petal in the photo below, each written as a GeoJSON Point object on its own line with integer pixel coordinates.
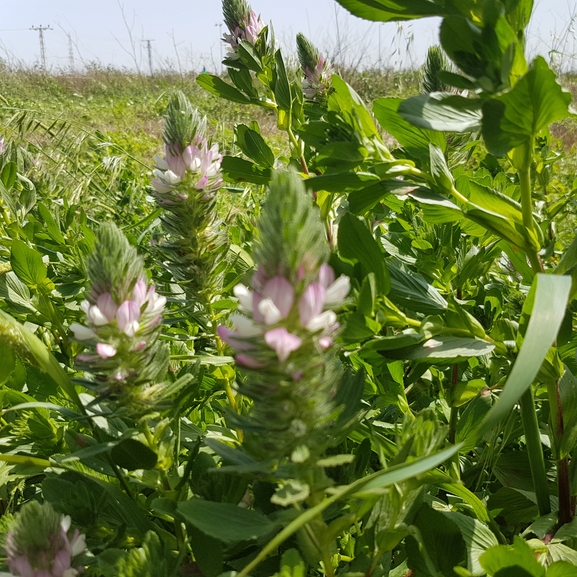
{"type": "Point", "coordinates": [96, 316]}
{"type": "Point", "coordinates": [337, 292]}
{"type": "Point", "coordinates": [322, 321]}
{"type": "Point", "coordinates": [85, 305]}
{"type": "Point", "coordinates": [269, 311]}
{"type": "Point", "coordinates": [160, 162]}
{"type": "Point", "coordinates": [244, 296]}
{"type": "Point", "coordinates": [81, 332]}
{"type": "Point", "coordinates": [244, 326]}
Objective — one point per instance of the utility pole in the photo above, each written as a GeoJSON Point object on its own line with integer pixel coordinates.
{"type": "Point", "coordinates": [70, 53]}
{"type": "Point", "coordinates": [149, 49]}
{"type": "Point", "coordinates": [40, 30]}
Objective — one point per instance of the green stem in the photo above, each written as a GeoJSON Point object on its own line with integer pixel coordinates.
{"type": "Point", "coordinates": [298, 149]}
{"type": "Point", "coordinates": [535, 451]}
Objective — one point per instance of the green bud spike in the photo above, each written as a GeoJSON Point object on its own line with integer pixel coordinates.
{"type": "Point", "coordinates": [436, 62]}
{"type": "Point", "coordinates": [183, 122]}
{"type": "Point", "coordinates": [291, 231]}
{"type": "Point", "coordinates": [235, 12]}
{"type": "Point", "coordinates": [307, 53]}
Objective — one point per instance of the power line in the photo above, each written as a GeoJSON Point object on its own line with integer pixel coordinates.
{"type": "Point", "coordinates": [41, 30]}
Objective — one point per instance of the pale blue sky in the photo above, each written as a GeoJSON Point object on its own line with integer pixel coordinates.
{"type": "Point", "coordinates": [186, 32]}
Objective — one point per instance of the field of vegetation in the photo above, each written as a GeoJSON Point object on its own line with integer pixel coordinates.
{"type": "Point", "coordinates": [289, 321]}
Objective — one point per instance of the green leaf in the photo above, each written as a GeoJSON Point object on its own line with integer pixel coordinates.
{"type": "Point", "coordinates": [282, 89]}
{"type": "Point", "coordinates": [357, 243]}
{"type": "Point", "coordinates": [341, 182]}
{"type": "Point", "coordinates": [341, 154]}
{"type": "Point", "coordinates": [515, 560]}
{"type": "Point", "coordinates": [237, 169]}
{"type": "Point", "coordinates": [131, 454]}
{"type": "Point", "coordinates": [442, 112]}
{"type": "Point", "coordinates": [436, 208]}
{"type": "Point", "coordinates": [208, 552]}
{"type": "Point", "coordinates": [393, 10]}
{"type": "Point", "coordinates": [224, 521]}
{"type": "Point", "coordinates": [9, 174]}
{"type": "Point", "coordinates": [551, 298]}
{"type": "Point", "coordinates": [291, 564]}
{"type": "Point", "coordinates": [219, 87]}
{"type": "Point", "coordinates": [254, 145]}
{"type": "Point", "coordinates": [568, 392]}
{"type": "Point", "coordinates": [414, 139]}
{"type": "Point", "coordinates": [478, 538]}
{"type": "Point", "coordinates": [400, 341]}
{"type": "Point", "coordinates": [52, 228]}
{"type": "Point", "coordinates": [410, 290]}
{"type": "Point", "coordinates": [7, 363]}
{"type": "Point", "coordinates": [446, 348]}
{"type": "Point", "coordinates": [562, 569]}
{"type": "Point", "coordinates": [517, 116]}
{"type": "Point", "coordinates": [27, 264]}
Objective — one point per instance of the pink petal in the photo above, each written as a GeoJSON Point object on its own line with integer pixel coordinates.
{"type": "Point", "coordinates": [311, 303]}
{"type": "Point", "coordinates": [107, 306]}
{"type": "Point", "coordinates": [326, 275]}
{"type": "Point", "coordinates": [283, 342]}
{"type": "Point", "coordinates": [105, 351]}
{"type": "Point", "coordinates": [248, 362]}
{"type": "Point", "coordinates": [61, 563]}
{"type": "Point", "coordinates": [325, 343]}
{"type": "Point", "coordinates": [127, 316]}
{"type": "Point", "coordinates": [338, 290]}
{"type": "Point", "coordinates": [139, 292]}
{"type": "Point", "coordinates": [231, 338]}
{"type": "Point", "coordinates": [282, 294]}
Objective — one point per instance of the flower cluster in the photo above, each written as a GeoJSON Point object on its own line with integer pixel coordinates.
{"type": "Point", "coordinates": [284, 332]}
{"type": "Point", "coordinates": [243, 24]}
{"type": "Point", "coordinates": [197, 161]}
{"type": "Point", "coordinates": [123, 319]}
{"type": "Point", "coordinates": [184, 185]}
{"type": "Point", "coordinates": [281, 316]}
{"type": "Point", "coordinates": [317, 71]}
{"type": "Point", "coordinates": [39, 543]}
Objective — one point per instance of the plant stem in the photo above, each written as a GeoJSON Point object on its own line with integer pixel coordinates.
{"type": "Point", "coordinates": [535, 451]}
{"type": "Point", "coordinates": [298, 149]}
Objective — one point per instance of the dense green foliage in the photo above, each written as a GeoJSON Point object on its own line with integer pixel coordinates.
{"type": "Point", "coordinates": [312, 336]}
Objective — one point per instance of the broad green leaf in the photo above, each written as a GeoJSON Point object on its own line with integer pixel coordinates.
{"type": "Point", "coordinates": [291, 564]}
{"type": "Point", "coordinates": [249, 56]}
{"type": "Point", "coordinates": [532, 105]}
{"type": "Point", "coordinates": [27, 344]}
{"type": "Point", "coordinates": [27, 264]}
{"type": "Point", "coordinates": [562, 569]}
{"type": "Point", "coordinates": [224, 521]}
{"type": "Point", "coordinates": [436, 208]}
{"type": "Point", "coordinates": [515, 560]}
{"type": "Point", "coordinates": [240, 170]}
{"type": "Point", "coordinates": [551, 299]}
{"type": "Point", "coordinates": [446, 348]}
{"type": "Point", "coordinates": [131, 454]}
{"type": "Point", "coordinates": [341, 154]}
{"type": "Point", "coordinates": [7, 363]}
{"type": "Point", "coordinates": [52, 227]}
{"type": "Point", "coordinates": [341, 182]}
{"type": "Point", "coordinates": [568, 392]}
{"type": "Point", "coordinates": [208, 552]}
{"type": "Point", "coordinates": [470, 419]}
{"type": "Point", "coordinates": [414, 139]}
{"type": "Point", "coordinates": [219, 87]}
{"type": "Point", "coordinates": [391, 10]}
{"type": "Point", "coordinates": [9, 174]}
{"type": "Point", "coordinates": [357, 243]}
{"type": "Point", "coordinates": [361, 201]}
{"type": "Point", "coordinates": [477, 536]}
{"type": "Point", "coordinates": [400, 341]}
{"type": "Point", "coordinates": [254, 146]}
{"type": "Point", "coordinates": [410, 290]}
{"type": "Point", "coordinates": [442, 112]}
{"type": "Point", "coordinates": [282, 89]}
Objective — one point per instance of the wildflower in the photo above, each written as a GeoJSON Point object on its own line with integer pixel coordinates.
{"type": "Point", "coordinates": [317, 71]}
{"type": "Point", "coordinates": [185, 183]}
{"type": "Point", "coordinates": [283, 335]}
{"type": "Point", "coordinates": [242, 23]}
{"type": "Point", "coordinates": [122, 319]}
{"type": "Point", "coordinates": [39, 543]}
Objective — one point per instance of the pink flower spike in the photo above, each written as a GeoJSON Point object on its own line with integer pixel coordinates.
{"type": "Point", "coordinates": [105, 351]}
{"type": "Point", "coordinates": [279, 290]}
{"type": "Point", "coordinates": [61, 563]}
{"type": "Point", "coordinates": [248, 362]}
{"type": "Point", "coordinates": [283, 342]}
{"type": "Point", "coordinates": [107, 306]}
{"type": "Point", "coordinates": [326, 275]}
{"type": "Point", "coordinates": [311, 303]}
{"type": "Point", "coordinates": [201, 183]}
{"type": "Point", "coordinates": [127, 317]}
